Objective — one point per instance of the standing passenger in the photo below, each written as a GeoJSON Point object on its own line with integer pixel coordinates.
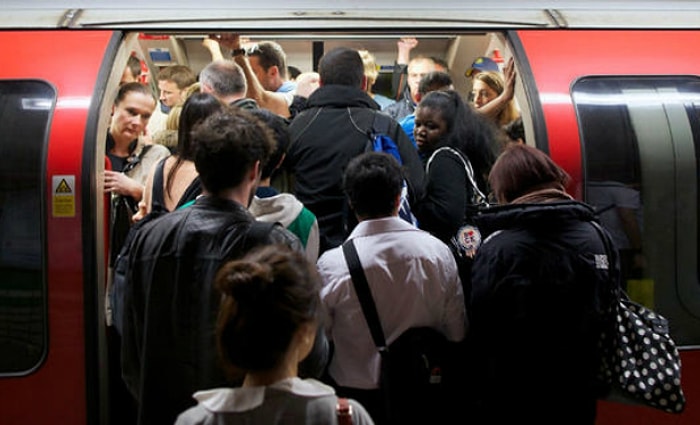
{"type": "Point", "coordinates": [443, 120]}
{"type": "Point", "coordinates": [412, 277]}
{"type": "Point", "coordinates": [173, 81]}
{"type": "Point", "coordinates": [130, 161]}
{"type": "Point", "coordinates": [270, 311]}
{"type": "Point", "coordinates": [264, 66]}
{"type": "Point", "coordinates": [492, 93]}
{"type": "Point", "coordinates": [170, 305]}
{"type": "Point", "coordinates": [418, 67]}
{"type": "Point", "coordinates": [539, 284]}
{"type": "Point", "coordinates": [436, 80]}
{"type": "Point", "coordinates": [371, 72]}
{"type": "Point", "coordinates": [272, 206]}
{"type": "Point", "coordinates": [132, 71]}
{"type": "Point", "coordinates": [179, 181]}
{"type": "Point", "coordinates": [330, 132]}
{"type": "Point", "coordinates": [225, 80]}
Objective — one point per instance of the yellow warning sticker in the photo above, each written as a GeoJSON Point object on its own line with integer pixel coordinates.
{"type": "Point", "coordinates": [63, 196]}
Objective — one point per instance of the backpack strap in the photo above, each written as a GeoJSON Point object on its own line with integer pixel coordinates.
{"type": "Point", "coordinates": [157, 197]}
{"type": "Point", "coordinates": [191, 193]}
{"type": "Point", "coordinates": [364, 295]}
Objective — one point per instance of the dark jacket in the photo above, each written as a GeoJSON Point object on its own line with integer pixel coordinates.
{"type": "Point", "coordinates": [403, 107]}
{"type": "Point", "coordinates": [324, 138]}
{"type": "Point", "coordinates": [536, 310]}
{"type": "Point", "coordinates": [168, 347]}
{"type": "Point", "coordinates": [447, 198]}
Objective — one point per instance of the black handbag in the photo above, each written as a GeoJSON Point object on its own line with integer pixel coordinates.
{"type": "Point", "coordinates": [640, 363]}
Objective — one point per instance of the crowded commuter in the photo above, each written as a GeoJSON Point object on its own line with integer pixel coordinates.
{"type": "Point", "coordinates": [268, 320]}
{"type": "Point", "coordinates": [417, 68]}
{"type": "Point", "coordinates": [129, 161]}
{"type": "Point", "coordinates": [168, 136]}
{"type": "Point", "coordinates": [264, 66]}
{"type": "Point", "coordinates": [492, 94]}
{"type": "Point", "coordinates": [174, 181]}
{"type": "Point", "coordinates": [334, 129]}
{"type": "Point", "coordinates": [456, 144]}
{"type": "Point", "coordinates": [443, 120]}
{"type": "Point", "coordinates": [398, 77]}
{"type": "Point", "coordinates": [225, 80]}
{"type": "Point", "coordinates": [269, 204]}
{"type": "Point", "coordinates": [412, 278]}
{"type": "Point", "coordinates": [480, 64]}
{"type": "Point", "coordinates": [170, 305]}
{"type": "Point", "coordinates": [130, 158]}
{"type": "Point", "coordinates": [436, 80]}
{"type": "Point", "coordinates": [173, 81]}
{"type": "Point", "coordinates": [371, 72]}
{"type": "Point", "coordinates": [132, 71]}
{"type": "Point", "coordinates": [538, 297]}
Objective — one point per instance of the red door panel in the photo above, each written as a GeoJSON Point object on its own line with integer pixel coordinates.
{"type": "Point", "coordinates": [68, 60]}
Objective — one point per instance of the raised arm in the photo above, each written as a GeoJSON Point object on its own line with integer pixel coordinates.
{"type": "Point", "coordinates": [275, 102]}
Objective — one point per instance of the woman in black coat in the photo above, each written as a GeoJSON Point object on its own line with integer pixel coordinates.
{"type": "Point", "coordinates": [443, 121]}
{"type": "Point", "coordinates": [538, 296]}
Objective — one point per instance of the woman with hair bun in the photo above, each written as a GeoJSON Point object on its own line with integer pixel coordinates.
{"type": "Point", "coordinates": [269, 315]}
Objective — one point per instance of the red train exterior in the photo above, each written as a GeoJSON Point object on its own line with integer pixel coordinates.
{"type": "Point", "coordinates": [68, 384]}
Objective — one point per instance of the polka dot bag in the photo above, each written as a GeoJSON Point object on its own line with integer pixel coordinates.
{"type": "Point", "coordinates": [640, 363]}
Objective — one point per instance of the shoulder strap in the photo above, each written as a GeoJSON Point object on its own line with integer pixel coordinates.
{"type": "Point", "coordinates": [359, 281]}
{"type": "Point", "coordinates": [136, 159]}
{"type": "Point", "coordinates": [191, 193]}
{"type": "Point", "coordinates": [479, 197]}
{"type": "Point", "coordinates": [157, 197]}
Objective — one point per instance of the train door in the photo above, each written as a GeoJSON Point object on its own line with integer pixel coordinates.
{"type": "Point", "coordinates": [640, 138]}
{"type": "Point", "coordinates": [52, 275]}
{"type": "Point", "coordinates": [620, 112]}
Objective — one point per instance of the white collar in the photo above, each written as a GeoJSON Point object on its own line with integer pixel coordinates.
{"type": "Point", "coordinates": [247, 398]}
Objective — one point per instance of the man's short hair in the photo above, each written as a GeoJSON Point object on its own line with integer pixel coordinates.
{"type": "Point", "coordinates": [342, 66]}
{"type": "Point", "coordinates": [224, 77]}
{"type": "Point", "coordinates": [226, 146]}
{"type": "Point", "coordinates": [278, 125]}
{"type": "Point", "coordinates": [134, 65]}
{"type": "Point", "coordinates": [435, 80]}
{"type": "Point", "coordinates": [181, 75]}
{"type": "Point", "coordinates": [372, 183]}
{"type": "Point", "coordinates": [270, 54]}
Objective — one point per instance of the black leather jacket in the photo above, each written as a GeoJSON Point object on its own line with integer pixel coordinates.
{"type": "Point", "coordinates": [168, 347]}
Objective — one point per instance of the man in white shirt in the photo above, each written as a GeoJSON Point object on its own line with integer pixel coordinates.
{"type": "Point", "coordinates": [411, 274]}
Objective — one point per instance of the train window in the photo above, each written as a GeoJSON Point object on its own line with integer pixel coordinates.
{"type": "Point", "coordinates": [25, 108]}
{"type": "Point", "coordinates": [641, 150]}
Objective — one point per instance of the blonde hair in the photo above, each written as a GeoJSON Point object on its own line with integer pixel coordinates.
{"type": "Point", "coordinates": [495, 81]}
{"type": "Point", "coordinates": [370, 64]}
